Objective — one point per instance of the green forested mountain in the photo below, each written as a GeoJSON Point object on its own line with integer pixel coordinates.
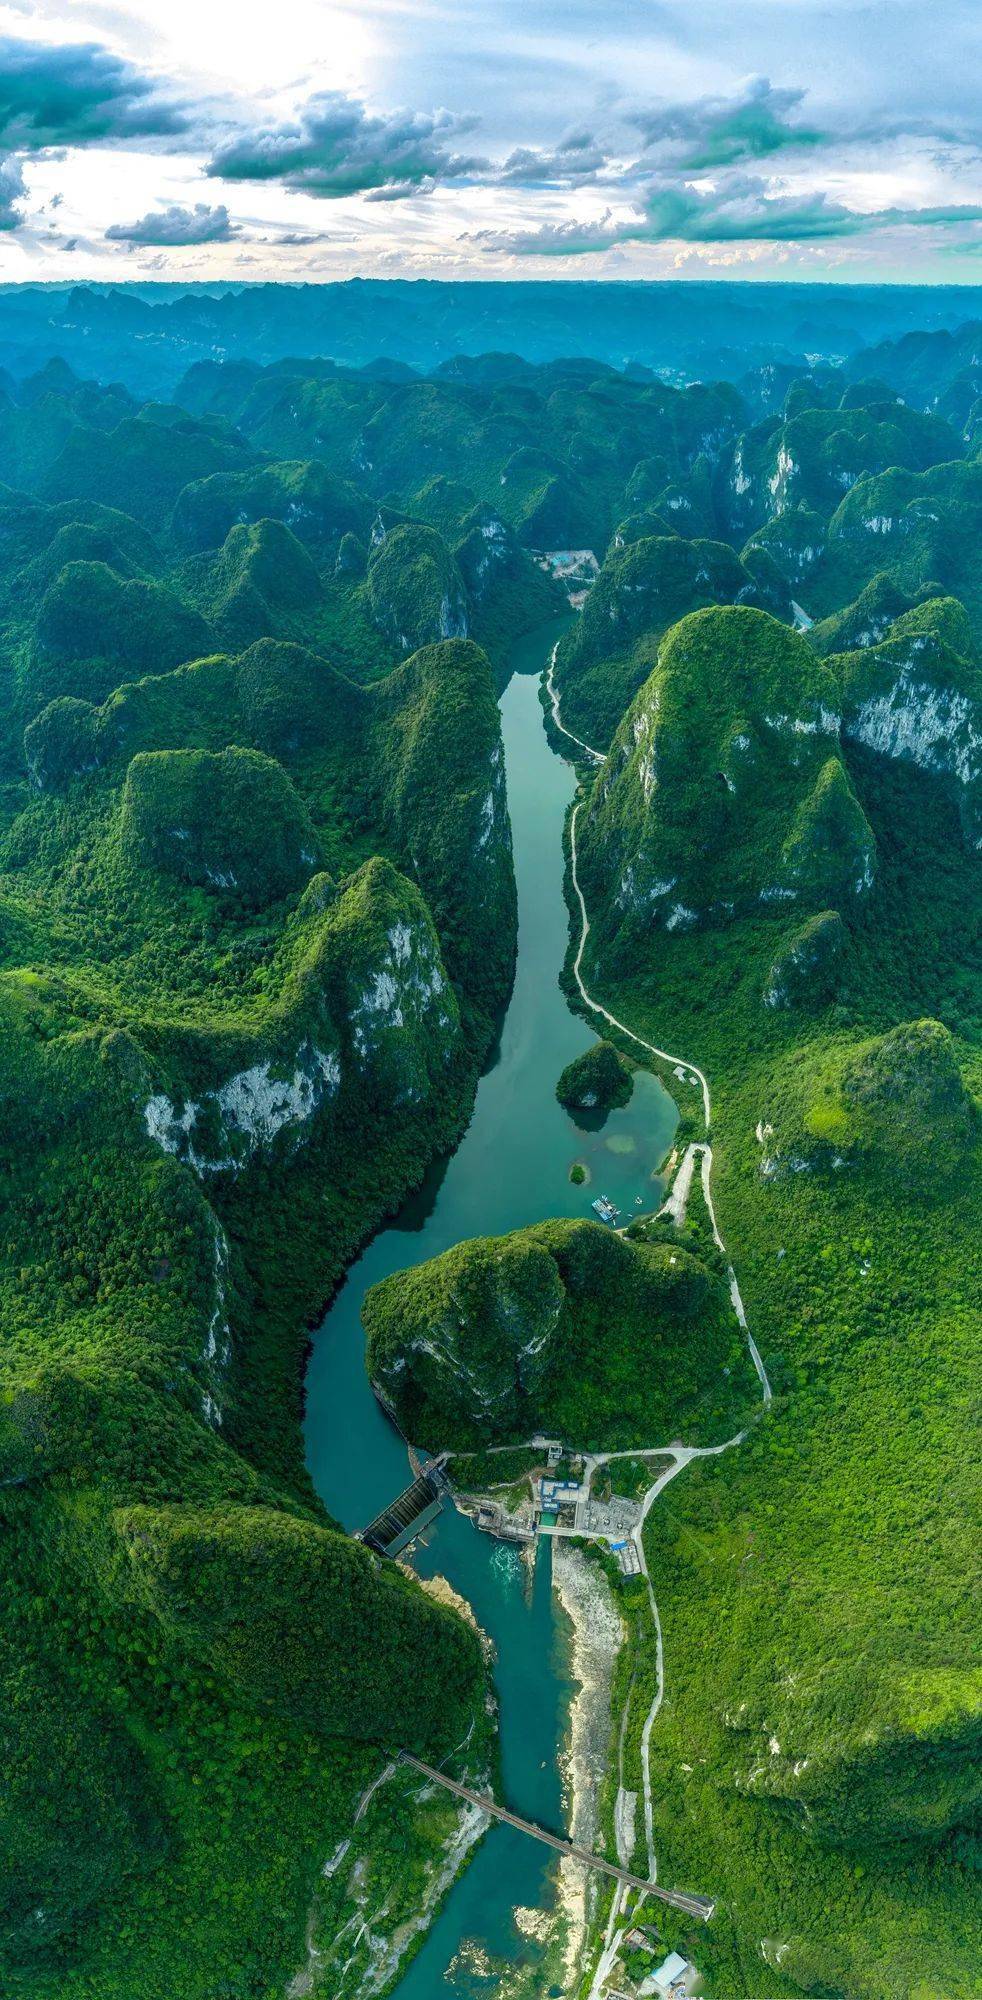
{"type": "Point", "coordinates": [257, 922]}
{"type": "Point", "coordinates": [257, 925]}
{"type": "Point", "coordinates": [780, 857]}
{"type": "Point", "coordinates": [564, 1324]}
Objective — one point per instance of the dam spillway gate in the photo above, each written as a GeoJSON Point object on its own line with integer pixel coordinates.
{"type": "Point", "coordinates": [406, 1517]}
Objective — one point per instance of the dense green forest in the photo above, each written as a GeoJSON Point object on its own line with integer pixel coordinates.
{"type": "Point", "coordinates": [565, 1324]}
{"type": "Point", "coordinates": [257, 925]}
{"type": "Point", "coordinates": [780, 857]}
{"type": "Point", "coordinates": [258, 922]}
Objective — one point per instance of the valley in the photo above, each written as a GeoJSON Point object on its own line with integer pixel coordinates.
{"type": "Point", "coordinates": [444, 1027]}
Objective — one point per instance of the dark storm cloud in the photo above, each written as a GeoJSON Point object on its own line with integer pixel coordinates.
{"type": "Point", "coordinates": [77, 94]}
{"type": "Point", "coordinates": [337, 148]}
{"type": "Point", "coordinates": [176, 225]}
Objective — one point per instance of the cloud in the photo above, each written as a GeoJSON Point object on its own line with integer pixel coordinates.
{"type": "Point", "coordinates": [575, 161]}
{"type": "Point", "coordinates": [12, 191]}
{"type": "Point", "coordinates": [172, 226]}
{"type": "Point", "coordinates": [77, 94]}
{"type": "Point", "coordinates": [296, 239]}
{"type": "Point", "coordinates": [402, 190]}
{"type": "Point", "coordinates": [337, 147]}
{"type": "Point", "coordinates": [555, 239]}
{"type": "Point", "coordinates": [718, 131]}
{"type": "Point", "coordinates": [742, 209]}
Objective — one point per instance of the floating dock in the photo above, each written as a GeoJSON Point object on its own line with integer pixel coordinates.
{"type": "Point", "coordinates": [604, 1207]}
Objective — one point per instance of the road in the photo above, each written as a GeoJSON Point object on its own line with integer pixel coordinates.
{"type": "Point", "coordinates": [675, 1062]}
{"type": "Point", "coordinates": [679, 1454]}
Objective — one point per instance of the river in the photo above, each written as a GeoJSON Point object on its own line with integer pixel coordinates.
{"type": "Point", "coordinates": [510, 1169]}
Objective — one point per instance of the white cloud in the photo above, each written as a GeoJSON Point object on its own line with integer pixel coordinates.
{"type": "Point", "coordinates": [563, 128]}
{"type": "Point", "coordinates": [176, 226]}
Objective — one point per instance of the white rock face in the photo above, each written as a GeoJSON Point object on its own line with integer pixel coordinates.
{"type": "Point", "coordinates": [780, 480]}
{"type": "Point", "coordinates": [630, 897]}
{"type": "Point", "coordinates": [453, 619]}
{"type": "Point", "coordinates": [740, 480]}
{"type": "Point", "coordinates": [823, 722]}
{"type": "Point", "coordinates": [254, 1105]}
{"type": "Point", "coordinates": [405, 990]}
{"type": "Point", "coordinates": [645, 738]}
{"type": "Point", "coordinates": [935, 728]}
{"type": "Point", "coordinates": [494, 826]}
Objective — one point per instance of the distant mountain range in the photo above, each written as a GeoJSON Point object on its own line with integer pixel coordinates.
{"type": "Point", "coordinates": [146, 335]}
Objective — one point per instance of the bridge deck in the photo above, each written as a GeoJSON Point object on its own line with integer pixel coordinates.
{"type": "Point", "coordinates": [694, 1906]}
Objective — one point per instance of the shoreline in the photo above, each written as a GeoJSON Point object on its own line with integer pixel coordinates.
{"type": "Point", "coordinates": [597, 1637]}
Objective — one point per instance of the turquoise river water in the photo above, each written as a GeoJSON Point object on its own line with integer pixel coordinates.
{"type": "Point", "coordinates": [510, 1169]}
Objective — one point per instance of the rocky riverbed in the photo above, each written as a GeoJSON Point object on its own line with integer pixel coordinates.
{"type": "Point", "coordinates": [585, 1597]}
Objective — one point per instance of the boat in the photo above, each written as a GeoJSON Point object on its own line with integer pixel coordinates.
{"type": "Point", "coordinates": [604, 1207]}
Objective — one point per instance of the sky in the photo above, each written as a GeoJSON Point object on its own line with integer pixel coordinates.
{"type": "Point", "coordinates": [316, 139]}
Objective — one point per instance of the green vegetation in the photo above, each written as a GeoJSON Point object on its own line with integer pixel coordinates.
{"type": "Point", "coordinates": [902, 1096]}
{"type": "Point", "coordinates": [917, 695]}
{"type": "Point", "coordinates": [793, 541]}
{"type": "Point", "coordinates": [805, 972]}
{"type": "Point", "coordinates": [261, 582]}
{"type": "Point", "coordinates": [863, 623]}
{"type": "Point", "coordinates": [829, 852]}
{"type": "Point", "coordinates": [317, 507]}
{"type": "Point", "coordinates": [473, 1471]}
{"type": "Point", "coordinates": [598, 1080]}
{"type": "Point", "coordinates": [725, 790]}
{"type": "Point", "coordinates": [920, 528]}
{"type": "Point", "coordinates": [415, 590]}
{"type": "Point", "coordinates": [642, 589]}
{"type": "Point", "coordinates": [565, 1327]}
{"type": "Point", "coordinates": [817, 1755]}
{"type": "Point", "coordinates": [256, 925]}
{"type": "Point", "coordinates": [232, 820]}
{"type": "Point", "coordinates": [302, 1622]}
{"type": "Point", "coordinates": [808, 457]}
{"type": "Point", "coordinates": [94, 628]}
{"type": "Point", "coordinates": [142, 465]}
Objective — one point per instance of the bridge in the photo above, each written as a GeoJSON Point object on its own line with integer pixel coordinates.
{"type": "Point", "coordinates": [406, 1517]}
{"type": "Point", "coordinates": [694, 1906]}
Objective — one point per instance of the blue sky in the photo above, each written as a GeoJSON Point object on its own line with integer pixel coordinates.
{"type": "Point", "coordinates": [491, 138]}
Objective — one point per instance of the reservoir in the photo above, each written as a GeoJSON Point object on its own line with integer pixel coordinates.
{"type": "Point", "coordinates": [510, 1169]}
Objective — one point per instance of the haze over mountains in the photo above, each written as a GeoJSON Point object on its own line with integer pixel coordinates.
{"type": "Point", "coordinates": [146, 335]}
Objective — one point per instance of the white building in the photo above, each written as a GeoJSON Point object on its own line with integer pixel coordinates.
{"type": "Point", "coordinates": [668, 1980]}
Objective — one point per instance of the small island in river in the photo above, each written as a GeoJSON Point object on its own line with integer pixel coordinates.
{"type": "Point", "coordinates": [598, 1080]}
